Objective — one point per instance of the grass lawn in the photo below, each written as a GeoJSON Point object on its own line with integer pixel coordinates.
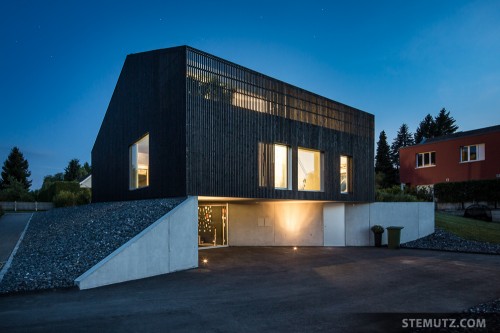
{"type": "Point", "coordinates": [469, 228]}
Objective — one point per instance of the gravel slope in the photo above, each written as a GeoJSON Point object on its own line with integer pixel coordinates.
{"type": "Point", "coordinates": [61, 244]}
{"type": "Point", "coordinates": [445, 241]}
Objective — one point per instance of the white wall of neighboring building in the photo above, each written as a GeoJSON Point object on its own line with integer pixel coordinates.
{"type": "Point", "coordinates": [87, 182]}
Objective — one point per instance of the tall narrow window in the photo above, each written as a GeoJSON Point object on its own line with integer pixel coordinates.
{"type": "Point", "coordinates": [281, 165]}
{"type": "Point", "coordinates": [274, 166]}
{"type": "Point", "coordinates": [309, 170]}
{"type": "Point", "coordinates": [139, 163]}
{"type": "Point", "coordinates": [345, 174]}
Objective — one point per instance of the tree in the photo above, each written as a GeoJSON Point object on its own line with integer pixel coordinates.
{"type": "Point", "coordinates": [426, 129]}
{"type": "Point", "coordinates": [444, 123]}
{"type": "Point", "coordinates": [15, 167]}
{"type": "Point", "coordinates": [15, 191]}
{"type": "Point", "coordinates": [73, 171]}
{"type": "Point", "coordinates": [87, 169]}
{"type": "Point", "coordinates": [383, 164]}
{"type": "Point", "coordinates": [404, 138]}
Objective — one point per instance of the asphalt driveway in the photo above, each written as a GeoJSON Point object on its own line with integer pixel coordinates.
{"type": "Point", "coordinates": [263, 289]}
{"type": "Point", "coordinates": [11, 228]}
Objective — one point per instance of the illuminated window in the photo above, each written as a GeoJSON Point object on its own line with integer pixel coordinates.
{"type": "Point", "coordinates": [139, 163]}
{"type": "Point", "coordinates": [309, 170]}
{"type": "Point", "coordinates": [426, 159]}
{"type": "Point", "coordinates": [345, 174]}
{"type": "Point", "coordinates": [281, 166]}
{"type": "Point", "coordinates": [472, 153]}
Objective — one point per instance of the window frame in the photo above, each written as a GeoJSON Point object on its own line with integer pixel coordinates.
{"type": "Point", "coordinates": [479, 152]}
{"type": "Point", "coordinates": [429, 156]}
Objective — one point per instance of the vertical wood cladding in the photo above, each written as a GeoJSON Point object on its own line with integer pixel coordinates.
{"type": "Point", "coordinates": [148, 98]}
{"type": "Point", "coordinates": [234, 114]}
{"type": "Point", "coordinates": [208, 117]}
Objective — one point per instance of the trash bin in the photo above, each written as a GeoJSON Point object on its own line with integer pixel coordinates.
{"type": "Point", "coordinates": [394, 237]}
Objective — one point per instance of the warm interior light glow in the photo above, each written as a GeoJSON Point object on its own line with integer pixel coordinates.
{"type": "Point", "coordinates": [309, 170]}
{"type": "Point", "coordinates": [246, 101]}
{"type": "Point", "coordinates": [139, 163]}
{"type": "Point", "coordinates": [344, 183]}
{"type": "Point", "coordinates": [280, 166]}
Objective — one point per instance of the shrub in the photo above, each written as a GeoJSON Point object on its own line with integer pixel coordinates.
{"type": "Point", "coordinates": [49, 191]}
{"type": "Point", "coordinates": [394, 194]}
{"type": "Point", "coordinates": [377, 229]}
{"type": "Point", "coordinates": [64, 199]}
{"type": "Point", "coordinates": [474, 190]}
{"type": "Point", "coordinates": [83, 196]}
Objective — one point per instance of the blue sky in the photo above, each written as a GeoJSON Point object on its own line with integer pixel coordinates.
{"type": "Point", "coordinates": [399, 60]}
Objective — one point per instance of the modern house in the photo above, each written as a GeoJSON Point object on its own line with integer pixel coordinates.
{"type": "Point", "coordinates": [462, 156]}
{"type": "Point", "coordinates": [261, 162]}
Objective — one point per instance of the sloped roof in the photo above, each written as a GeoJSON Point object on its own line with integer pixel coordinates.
{"type": "Point", "coordinates": [478, 131]}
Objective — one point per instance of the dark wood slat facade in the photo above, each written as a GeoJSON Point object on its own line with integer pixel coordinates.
{"type": "Point", "coordinates": [207, 118]}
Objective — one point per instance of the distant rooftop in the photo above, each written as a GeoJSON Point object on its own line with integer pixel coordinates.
{"type": "Point", "coordinates": [478, 131]}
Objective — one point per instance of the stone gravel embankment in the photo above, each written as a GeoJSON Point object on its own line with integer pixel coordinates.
{"type": "Point", "coordinates": [61, 244]}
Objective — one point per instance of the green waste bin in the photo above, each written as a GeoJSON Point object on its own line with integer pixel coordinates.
{"type": "Point", "coordinates": [394, 237]}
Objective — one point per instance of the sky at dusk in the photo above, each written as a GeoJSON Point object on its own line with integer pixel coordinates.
{"type": "Point", "coordinates": [399, 60]}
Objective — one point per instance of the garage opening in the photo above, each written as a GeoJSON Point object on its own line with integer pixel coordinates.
{"type": "Point", "coordinates": [212, 225]}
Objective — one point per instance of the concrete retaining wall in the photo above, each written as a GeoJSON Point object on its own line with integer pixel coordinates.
{"type": "Point", "coordinates": [168, 245]}
{"type": "Point", "coordinates": [417, 218]}
{"type": "Point", "coordinates": [276, 224]}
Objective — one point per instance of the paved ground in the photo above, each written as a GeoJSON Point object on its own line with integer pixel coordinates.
{"type": "Point", "coordinates": [269, 290]}
{"type": "Point", "coordinates": [11, 227]}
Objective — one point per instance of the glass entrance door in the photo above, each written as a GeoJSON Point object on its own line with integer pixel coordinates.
{"type": "Point", "coordinates": [212, 225]}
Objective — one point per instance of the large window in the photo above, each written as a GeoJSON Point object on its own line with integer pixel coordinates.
{"type": "Point", "coordinates": [472, 153]}
{"type": "Point", "coordinates": [345, 174]}
{"type": "Point", "coordinates": [426, 159]}
{"type": "Point", "coordinates": [139, 163]}
{"type": "Point", "coordinates": [309, 170]}
{"type": "Point", "coordinates": [281, 165]}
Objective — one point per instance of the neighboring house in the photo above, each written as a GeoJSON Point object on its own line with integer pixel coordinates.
{"type": "Point", "coordinates": [462, 156]}
{"type": "Point", "coordinates": [86, 182]}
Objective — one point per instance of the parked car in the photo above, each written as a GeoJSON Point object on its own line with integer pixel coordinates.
{"type": "Point", "coordinates": [478, 212]}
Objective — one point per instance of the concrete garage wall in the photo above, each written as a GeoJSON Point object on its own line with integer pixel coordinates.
{"type": "Point", "coordinates": [417, 218]}
{"type": "Point", "coordinates": [168, 245]}
{"type": "Point", "coordinates": [276, 224]}
{"type": "Point", "coordinates": [357, 225]}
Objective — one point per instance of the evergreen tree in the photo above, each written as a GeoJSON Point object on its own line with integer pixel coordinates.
{"type": "Point", "coordinates": [383, 164]}
{"type": "Point", "coordinates": [444, 123]}
{"type": "Point", "coordinates": [73, 171]}
{"type": "Point", "coordinates": [404, 138]}
{"type": "Point", "coordinates": [87, 168]}
{"type": "Point", "coordinates": [15, 167]}
{"type": "Point", "coordinates": [426, 129]}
